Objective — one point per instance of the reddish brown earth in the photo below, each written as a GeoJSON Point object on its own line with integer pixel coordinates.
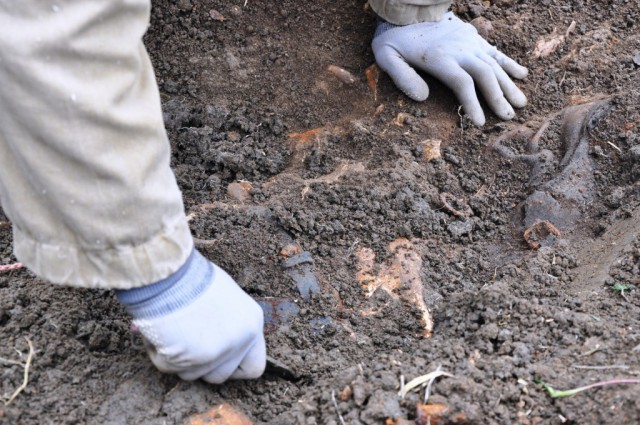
{"type": "Point", "coordinates": [359, 196]}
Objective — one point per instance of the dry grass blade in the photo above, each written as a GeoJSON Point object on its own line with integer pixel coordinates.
{"type": "Point", "coordinates": [416, 382]}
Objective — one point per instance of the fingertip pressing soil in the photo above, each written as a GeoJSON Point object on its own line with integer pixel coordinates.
{"type": "Point", "coordinates": [328, 166]}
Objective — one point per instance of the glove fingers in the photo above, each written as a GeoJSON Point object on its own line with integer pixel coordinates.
{"type": "Point", "coordinates": [216, 371]}
{"type": "Point", "coordinates": [149, 338]}
{"type": "Point", "coordinates": [254, 362]}
{"type": "Point", "coordinates": [487, 82]}
{"type": "Point", "coordinates": [253, 359]}
{"type": "Point", "coordinates": [512, 67]}
{"type": "Point", "coordinates": [513, 94]}
{"type": "Point", "coordinates": [247, 364]}
{"type": "Point", "coordinates": [164, 365]}
{"type": "Point", "coordinates": [402, 74]}
{"type": "Point", "coordinates": [220, 370]}
{"type": "Point", "coordinates": [458, 80]}
{"type": "Point", "coordinates": [204, 370]}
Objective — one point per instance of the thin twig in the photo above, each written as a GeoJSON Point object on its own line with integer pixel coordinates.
{"type": "Point", "coordinates": [335, 404]}
{"type": "Point", "coordinates": [590, 352]}
{"type": "Point", "coordinates": [25, 380]}
{"type": "Point", "coordinates": [625, 296]}
{"type": "Point", "coordinates": [604, 367]}
{"type": "Point", "coordinates": [614, 146]}
{"type": "Point", "coordinates": [562, 80]}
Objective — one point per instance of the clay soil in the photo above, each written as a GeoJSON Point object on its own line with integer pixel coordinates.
{"type": "Point", "coordinates": [331, 168]}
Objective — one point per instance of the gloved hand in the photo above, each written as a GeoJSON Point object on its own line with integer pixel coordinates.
{"type": "Point", "coordinates": [198, 323]}
{"type": "Point", "coordinates": [453, 52]}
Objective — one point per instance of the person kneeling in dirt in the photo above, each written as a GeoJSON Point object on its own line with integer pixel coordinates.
{"type": "Point", "coordinates": [85, 180]}
{"type": "Point", "coordinates": [85, 176]}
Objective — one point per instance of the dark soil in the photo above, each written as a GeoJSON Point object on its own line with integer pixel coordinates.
{"type": "Point", "coordinates": [236, 92]}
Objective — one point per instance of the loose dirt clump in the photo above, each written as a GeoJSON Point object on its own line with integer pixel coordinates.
{"type": "Point", "coordinates": [279, 140]}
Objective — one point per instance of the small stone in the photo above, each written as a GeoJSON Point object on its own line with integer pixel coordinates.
{"type": "Point", "coordinates": [223, 414]}
{"type": "Point", "coordinates": [636, 59]}
{"type": "Point", "coordinates": [341, 74]}
{"type": "Point", "coordinates": [483, 26]}
{"type": "Point", "coordinates": [476, 10]}
{"type": "Point", "coordinates": [99, 339]}
{"type": "Point", "coordinates": [360, 391]}
{"type": "Point", "coordinates": [236, 10]}
{"type": "Point", "coordinates": [430, 149]}
{"type": "Point", "coordinates": [290, 250]}
{"type": "Point", "coordinates": [184, 5]}
{"type": "Point", "coordinates": [457, 229]}
{"type": "Point", "coordinates": [388, 380]}
{"type": "Point", "coordinates": [381, 405]}
{"type": "Point", "coordinates": [216, 16]}
{"type": "Point", "coordinates": [403, 118]}
{"type": "Point", "coordinates": [431, 413]}
{"type": "Point", "coordinates": [345, 394]}
{"type": "Point", "coordinates": [239, 191]}
{"type": "Point", "coordinates": [233, 136]}
{"type": "Point", "coordinates": [615, 198]}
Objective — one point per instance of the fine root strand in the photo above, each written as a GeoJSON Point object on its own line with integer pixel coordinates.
{"type": "Point", "coordinates": [335, 405]}
{"type": "Point", "coordinates": [27, 367]}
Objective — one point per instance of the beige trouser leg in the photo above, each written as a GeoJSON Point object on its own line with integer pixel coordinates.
{"type": "Point", "coordinates": [84, 157]}
{"type": "Point", "coordinates": [407, 12]}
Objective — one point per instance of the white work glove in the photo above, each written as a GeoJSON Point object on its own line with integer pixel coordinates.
{"type": "Point", "coordinates": [198, 323]}
{"type": "Point", "coordinates": [453, 52]}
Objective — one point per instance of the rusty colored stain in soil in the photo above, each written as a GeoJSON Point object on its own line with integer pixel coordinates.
{"type": "Point", "coordinates": [305, 136]}
{"type": "Point", "coordinates": [437, 413]}
{"type": "Point", "coordinates": [373, 74]}
{"type": "Point", "coordinates": [539, 233]}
